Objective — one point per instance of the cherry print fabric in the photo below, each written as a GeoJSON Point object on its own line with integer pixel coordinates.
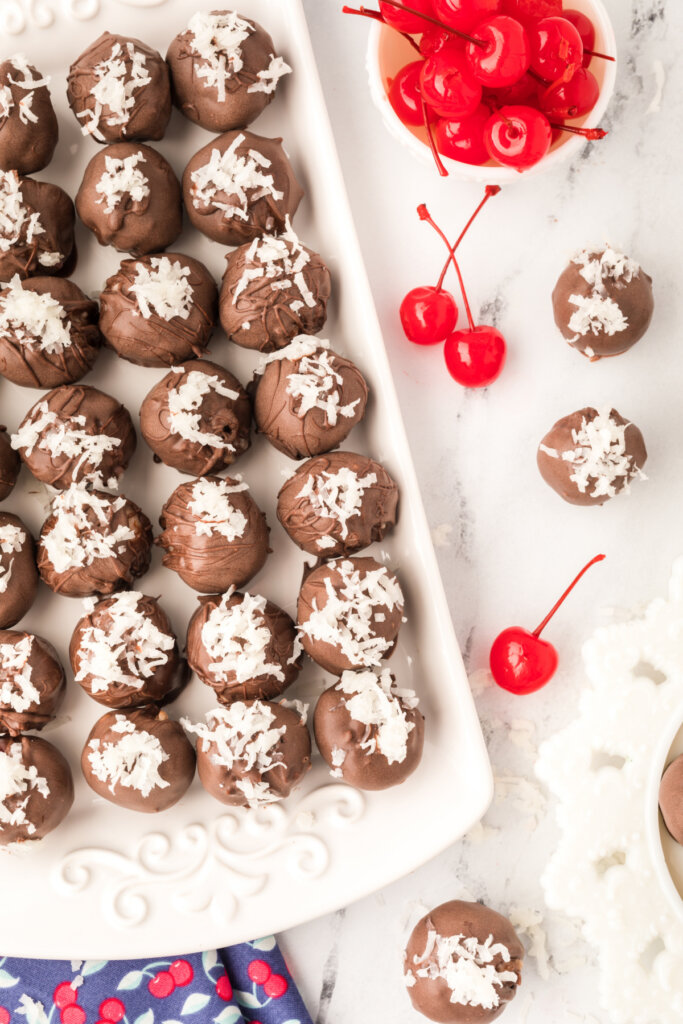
{"type": "Point", "coordinates": [244, 984]}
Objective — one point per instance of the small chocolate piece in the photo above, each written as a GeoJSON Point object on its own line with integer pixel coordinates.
{"type": "Point", "coordinates": [214, 534]}
{"type": "Point", "coordinates": [368, 731]}
{"type": "Point", "coordinates": [349, 614]}
{"type": "Point", "coordinates": [141, 760]}
{"type": "Point", "coordinates": [671, 799]}
{"type": "Point", "coordinates": [28, 123]}
{"type": "Point", "coordinates": [197, 418]}
{"type": "Point", "coordinates": [224, 70]}
{"type": "Point", "coordinates": [10, 464]}
{"type": "Point", "coordinates": [338, 504]}
{"type": "Point", "coordinates": [93, 543]}
{"type": "Point", "coordinates": [603, 303]}
{"type": "Point", "coordinates": [36, 789]}
{"type": "Point", "coordinates": [240, 186]}
{"type": "Point", "coordinates": [463, 964]}
{"type": "Point", "coordinates": [18, 573]}
{"type": "Point", "coordinates": [130, 198]}
{"type": "Point", "coordinates": [307, 398]}
{"type": "Point", "coordinates": [48, 332]}
{"type": "Point", "coordinates": [32, 682]}
{"type": "Point", "coordinates": [36, 226]}
{"type": "Point", "coordinates": [590, 456]}
{"type": "Point", "coordinates": [124, 652]}
{"type": "Point", "coordinates": [253, 752]}
{"type": "Point", "coordinates": [274, 289]}
{"type": "Point", "coordinates": [120, 89]}
{"type": "Point", "coordinates": [159, 310]}
{"type": "Point", "coordinates": [243, 646]}
{"type": "Point", "coordinates": [76, 434]}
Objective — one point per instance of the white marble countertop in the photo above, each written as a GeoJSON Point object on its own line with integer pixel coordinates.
{"type": "Point", "coordinates": [507, 545]}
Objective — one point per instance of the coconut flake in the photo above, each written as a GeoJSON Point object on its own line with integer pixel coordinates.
{"type": "Point", "coordinates": [17, 690]}
{"type": "Point", "coordinates": [237, 639]}
{"type": "Point", "coordinates": [217, 39]}
{"type": "Point", "coordinates": [214, 510]}
{"type": "Point", "coordinates": [18, 780]}
{"type": "Point", "coordinates": [314, 383]}
{"type": "Point", "coordinates": [12, 540]}
{"type": "Point", "coordinates": [128, 651]}
{"type": "Point", "coordinates": [599, 313]}
{"type": "Point", "coordinates": [185, 404]}
{"type": "Point", "coordinates": [121, 179]}
{"type": "Point", "coordinates": [596, 315]}
{"type": "Point", "coordinates": [6, 102]}
{"type": "Point", "coordinates": [467, 966]}
{"type": "Point", "coordinates": [57, 437]}
{"type": "Point", "coordinates": [600, 457]}
{"type": "Point", "coordinates": [81, 533]}
{"type": "Point", "coordinates": [118, 79]}
{"type": "Point", "coordinates": [132, 762]}
{"type": "Point", "coordinates": [162, 287]}
{"type": "Point", "coordinates": [337, 496]}
{"type": "Point", "coordinates": [28, 83]}
{"type": "Point", "coordinates": [35, 319]}
{"type": "Point", "coordinates": [279, 259]}
{"type": "Point", "coordinates": [376, 702]}
{"type": "Point", "coordinates": [270, 76]}
{"type": "Point", "coordinates": [240, 177]}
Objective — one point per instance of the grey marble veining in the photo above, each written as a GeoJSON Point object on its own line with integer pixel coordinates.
{"type": "Point", "coordinates": [506, 544]}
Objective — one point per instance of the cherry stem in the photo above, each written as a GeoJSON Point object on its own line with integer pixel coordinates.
{"type": "Point", "coordinates": [539, 629]}
{"type": "Point", "coordinates": [432, 144]}
{"type": "Point", "coordinates": [417, 14]}
{"type": "Point", "coordinates": [464, 294]}
{"type": "Point", "coordinates": [423, 213]}
{"type": "Point", "coordinates": [376, 16]}
{"type": "Point", "coordinates": [593, 134]}
{"type": "Point", "coordinates": [602, 56]}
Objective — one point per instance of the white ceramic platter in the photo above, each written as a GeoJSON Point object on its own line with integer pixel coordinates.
{"type": "Point", "coordinates": [110, 883]}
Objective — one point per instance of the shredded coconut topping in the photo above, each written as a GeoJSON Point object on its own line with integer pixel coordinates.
{"type": "Point", "coordinates": [120, 179]}
{"type": "Point", "coordinates": [467, 966]}
{"type": "Point", "coordinates": [377, 703]}
{"type": "Point", "coordinates": [127, 651]}
{"type": "Point", "coordinates": [12, 540]}
{"type": "Point", "coordinates": [82, 531]}
{"type": "Point", "coordinates": [314, 384]}
{"type": "Point", "coordinates": [270, 76]}
{"type": "Point", "coordinates": [281, 261]}
{"type": "Point", "coordinates": [69, 437]}
{"type": "Point", "coordinates": [133, 761]}
{"type": "Point", "coordinates": [16, 223]}
{"type": "Point", "coordinates": [35, 318]}
{"type": "Point", "coordinates": [214, 510]}
{"type": "Point", "coordinates": [217, 38]}
{"type": "Point", "coordinates": [599, 313]}
{"type": "Point", "coordinates": [185, 403]}
{"type": "Point", "coordinates": [244, 740]}
{"type": "Point", "coordinates": [347, 620]}
{"type": "Point", "coordinates": [118, 78]}
{"type": "Point", "coordinates": [241, 177]}
{"type": "Point", "coordinates": [18, 780]}
{"type": "Point", "coordinates": [237, 640]}
{"type": "Point", "coordinates": [337, 496]}
{"type": "Point", "coordinates": [27, 83]}
{"type": "Point", "coordinates": [600, 457]}
{"type": "Point", "coordinates": [163, 288]}
{"type": "Point", "coordinates": [17, 690]}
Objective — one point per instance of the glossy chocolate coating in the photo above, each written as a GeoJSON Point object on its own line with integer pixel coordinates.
{"type": "Point", "coordinates": [10, 464]}
{"type": "Point", "coordinates": [26, 145]}
{"type": "Point", "coordinates": [671, 799]}
{"type": "Point", "coordinates": [18, 573]}
{"type": "Point", "coordinates": [32, 252]}
{"type": "Point", "coordinates": [22, 709]}
{"type": "Point", "coordinates": [43, 811]}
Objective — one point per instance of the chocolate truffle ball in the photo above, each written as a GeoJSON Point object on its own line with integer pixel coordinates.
{"type": "Point", "coordinates": [28, 123]}
{"type": "Point", "coordinates": [124, 652]}
{"type": "Point", "coordinates": [307, 398]}
{"type": "Point", "coordinates": [36, 789]}
{"type": "Point", "coordinates": [462, 964]}
{"type": "Point", "coordinates": [9, 465]}
{"type": "Point", "coordinates": [76, 434]}
{"type": "Point", "coordinates": [93, 543]}
{"type": "Point", "coordinates": [671, 799]}
{"type": "Point", "coordinates": [130, 198]}
{"type": "Point", "coordinates": [603, 303]}
{"type": "Point", "coordinates": [338, 504]}
{"type": "Point", "coordinates": [349, 614]}
{"type": "Point", "coordinates": [369, 732]}
{"type": "Point", "coordinates": [273, 290]}
{"type": "Point", "coordinates": [119, 89]}
{"type": "Point", "coordinates": [224, 70]}
{"type": "Point", "coordinates": [18, 573]}
{"type": "Point", "coordinates": [141, 760]}
{"type": "Point", "coordinates": [32, 682]}
{"type": "Point", "coordinates": [590, 456]}
{"type": "Point", "coordinates": [214, 534]}
{"type": "Point", "coordinates": [159, 310]}
{"type": "Point", "coordinates": [253, 752]}
{"type": "Point", "coordinates": [48, 332]}
{"type": "Point", "coordinates": [197, 418]}
{"type": "Point", "coordinates": [240, 186]}
{"type": "Point", "coordinates": [36, 226]}
{"type": "Point", "coordinates": [243, 646]}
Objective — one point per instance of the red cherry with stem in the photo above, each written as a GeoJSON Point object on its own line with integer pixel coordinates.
{"type": "Point", "coordinates": [112, 1010]}
{"type": "Point", "coordinates": [532, 10]}
{"type": "Point", "coordinates": [182, 972]}
{"type": "Point", "coordinates": [466, 14]}
{"type": "Point", "coordinates": [518, 136]}
{"type": "Point", "coordinates": [276, 986]}
{"type": "Point", "coordinates": [259, 972]}
{"type": "Point", "coordinates": [447, 83]}
{"type": "Point", "coordinates": [161, 985]}
{"type": "Point", "coordinates": [586, 29]}
{"type": "Point", "coordinates": [520, 661]}
{"type": "Point", "coordinates": [505, 56]}
{"type": "Point", "coordinates": [64, 995]}
{"type": "Point", "coordinates": [405, 96]}
{"type": "Point", "coordinates": [566, 100]}
{"type": "Point", "coordinates": [224, 988]}
{"type": "Point", "coordinates": [405, 21]}
{"type": "Point", "coordinates": [463, 138]}
{"type": "Point", "coordinates": [556, 48]}
{"type": "Point", "coordinates": [475, 358]}
{"type": "Point", "coordinates": [73, 1014]}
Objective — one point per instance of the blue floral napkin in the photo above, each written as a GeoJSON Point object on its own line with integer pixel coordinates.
{"type": "Point", "coordinates": [244, 984]}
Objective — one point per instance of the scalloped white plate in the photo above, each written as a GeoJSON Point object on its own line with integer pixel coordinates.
{"type": "Point", "coordinates": [112, 884]}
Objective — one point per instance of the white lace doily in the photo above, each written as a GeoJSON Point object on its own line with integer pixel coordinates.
{"type": "Point", "coordinates": [605, 870]}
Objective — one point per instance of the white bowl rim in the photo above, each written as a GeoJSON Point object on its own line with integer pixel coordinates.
{"type": "Point", "coordinates": [491, 174]}
{"type": "Point", "coordinates": [659, 762]}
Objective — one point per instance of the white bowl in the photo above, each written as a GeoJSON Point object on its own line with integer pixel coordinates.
{"type": "Point", "coordinates": [388, 52]}
{"type": "Point", "coordinates": [667, 854]}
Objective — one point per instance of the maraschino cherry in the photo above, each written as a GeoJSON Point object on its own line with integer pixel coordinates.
{"type": "Point", "coordinates": [518, 136]}
{"type": "Point", "coordinates": [463, 138]}
{"type": "Point", "coordinates": [532, 10]}
{"type": "Point", "coordinates": [566, 100]}
{"type": "Point", "coordinates": [475, 357]}
{"type": "Point", "coordinates": [405, 96]}
{"type": "Point", "coordinates": [505, 56]}
{"type": "Point", "coordinates": [406, 21]}
{"type": "Point", "coordinates": [447, 83]}
{"type": "Point", "coordinates": [466, 14]}
{"type": "Point", "coordinates": [586, 29]}
{"type": "Point", "coordinates": [521, 662]}
{"type": "Point", "coordinates": [556, 49]}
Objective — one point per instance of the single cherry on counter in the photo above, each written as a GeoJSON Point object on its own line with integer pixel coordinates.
{"type": "Point", "coordinates": [521, 662]}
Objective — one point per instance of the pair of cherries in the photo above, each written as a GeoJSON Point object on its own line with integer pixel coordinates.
{"type": "Point", "coordinates": [429, 314]}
